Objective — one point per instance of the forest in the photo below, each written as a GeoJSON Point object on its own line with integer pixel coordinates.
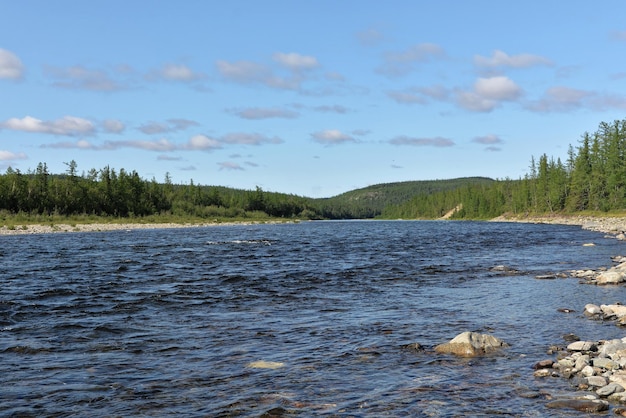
{"type": "Point", "coordinates": [592, 178]}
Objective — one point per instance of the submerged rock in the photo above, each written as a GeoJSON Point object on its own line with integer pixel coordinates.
{"type": "Point", "coordinates": [471, 344]}
{"type": "Point", "coordinates": [582, 405]}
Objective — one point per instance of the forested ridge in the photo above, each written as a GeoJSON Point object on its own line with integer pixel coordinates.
{"type": "Point", "coordinates": [592, 178]}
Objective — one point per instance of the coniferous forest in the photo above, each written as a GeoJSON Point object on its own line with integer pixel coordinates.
{"type": "Point", "coordinates": [591, 178]}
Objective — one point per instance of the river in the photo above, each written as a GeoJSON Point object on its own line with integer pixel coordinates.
{"type": "Point", "coordinates": [305, 319]}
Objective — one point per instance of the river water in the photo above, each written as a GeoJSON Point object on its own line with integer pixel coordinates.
{"type": "Point", "coordinates": [307, 319]}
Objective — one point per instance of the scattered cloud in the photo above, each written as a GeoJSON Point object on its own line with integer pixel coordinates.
{"type": "Point", "coordinates": [202, 142]}
{"type": "Point", "coordinates": [502, 59]}
{"type": "Point", "coordinates": [172, 125]}
{"type": "Point", "coordinates": [240, 138]}
{"type": "Point", "coordinates": [560, 99]}
{"type": "Point", "coordinates": [188, 168]}
{"type": "Point", "coordinates": [619, 35]}
{"type": "Point", "coordinates": [165, 157]}
{"type": "Point", "coordinates": [264, 113]}
{"type": "Point", "coordinates": [11, 156]}
{"type": "Point", "coordinates": [398, 64]}
{"type": "Point", "coordinates": [11, 66]}
{"type": "Point", "coordinates": [334, 76]}
{"type": "Point", "coordinates": [488, 93]}
{"type": "Point", "coordinates": [248, 72]}
{"type": "Point", "coordinates": [331, 109]}
{"type": "Point", "coordinates": [295, 62]}
{"type": "Point", "coordinates": [419, 95]}
{"type": "Point", "coordinates": [488, 140]}
{"type": "Point", "coordinates": [160, 145]}
{"type": "Point", "coordinates": [176, 72]}
{"type": "Point", "coordinates": [81, 144]}
{"type": "Point", "coordinates": [370, 37]}
{"type": "Point", "coordinates": [332, 137]}
{"type": "Point", "coordinates": [113, 126]}
{"type": "Point", "coordinates": [439, 142]}
{"type": "Point", "coordinates": [564, 99]}
{"type": "Point", "coordinates": [67, 126]}
{"type": "Point", "coordinates": [251, 164]}
{"type": "Point", "coordinates": [80, 78]}
{"type": "Point", "coordinates": [230, 166]}
{"type": "Point", "coordinates": [361, 132]}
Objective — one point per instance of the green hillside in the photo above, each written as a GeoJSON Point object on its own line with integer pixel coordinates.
{"type": "Point", "coordinates": [371, 201]}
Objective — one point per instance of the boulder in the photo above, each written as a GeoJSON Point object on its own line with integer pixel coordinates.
{"type": "Point", "coordinates": [582, 346]}
{"type": "Point", "coordinates": [610, 277]}
{"type": "Point", "coordinates": [471, 344]}
{"type": "Point", "coordinates": [614, 310]}
{"type": "Point", "coordinates": [591, 309]}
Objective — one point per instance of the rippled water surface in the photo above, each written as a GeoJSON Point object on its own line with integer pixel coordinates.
{"type": "Point", "coordinates": [306, 319]}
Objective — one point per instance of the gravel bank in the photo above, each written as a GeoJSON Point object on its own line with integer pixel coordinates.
{"type": "Point", "coordinates": [64, 228]}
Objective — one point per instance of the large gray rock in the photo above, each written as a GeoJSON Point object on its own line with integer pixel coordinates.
{"type": "Point", "coordinates": [471, 344]}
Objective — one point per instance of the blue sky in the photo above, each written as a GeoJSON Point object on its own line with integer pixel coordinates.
{"type": "Point", "coordinates": [313, 98]}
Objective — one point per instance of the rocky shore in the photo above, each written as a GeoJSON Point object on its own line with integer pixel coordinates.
{"type": "Point", "coordinates": [615, 226]}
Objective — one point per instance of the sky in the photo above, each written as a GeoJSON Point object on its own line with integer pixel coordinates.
{"type": "Point", "coordinates": [313, 98]}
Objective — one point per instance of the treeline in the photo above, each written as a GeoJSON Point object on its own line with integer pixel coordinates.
{"type": "Point", "coordinates": [108, 192]}
{"type": "Point", "coordinates": [592, 178]}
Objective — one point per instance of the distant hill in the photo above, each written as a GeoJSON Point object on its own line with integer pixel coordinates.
{"type": "Point", "coordinates": [370, 201]}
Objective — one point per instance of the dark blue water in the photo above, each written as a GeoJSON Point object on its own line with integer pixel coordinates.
{"type": "Point", "coordinates": [174, 321]}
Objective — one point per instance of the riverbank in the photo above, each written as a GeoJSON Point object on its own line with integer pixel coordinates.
{"type": "Point", "coordinates": [613, 225]}
{"type": "Point", "coordinates": [101, 227]}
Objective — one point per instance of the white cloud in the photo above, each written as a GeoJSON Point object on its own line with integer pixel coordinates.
{"type": "Point", "coordinates": [295, 62]}
{"type": "Point", "coordinates": [472, 101]}
{"type": "Point", "coordinates": [488, 93]}
{"type": "Point", "coordinates": [332, 137]}
{"type": "Point", "coordinates": [67, 125]}
{"type": "Point", "coordinates": [264, 113]}
{"type": "Point", "coordinates": [422, 142]}
{"type": "Point", "coordinates": [202, 142]}
{"type": "Point", "coordinates": [497, 88]}
{"type": "Point", "coordinates": [113, 126]}
{"type": "Point", "coordinates": [502, 59]}
{"type": "Point", "coordinates": [10, 156]}
{"type": "Point", "coordinates": [10, 65]}
{"type": "Point", "coordinates": [161, 145]}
